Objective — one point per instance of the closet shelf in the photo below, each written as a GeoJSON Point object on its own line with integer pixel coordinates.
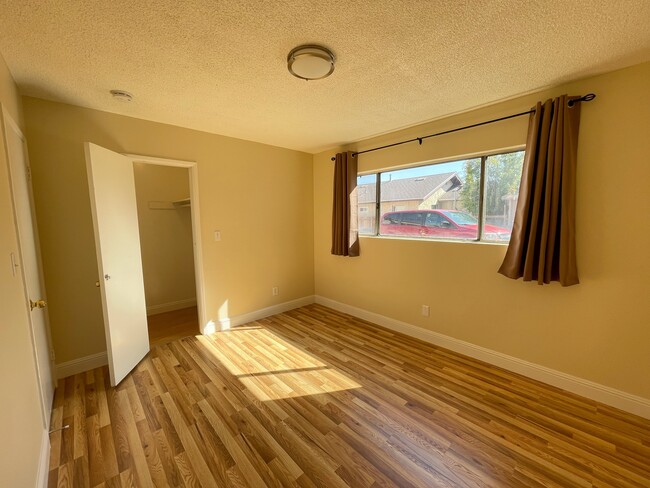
{"type": "Point", "coordinates": [185, 202]}
{"type": "Point", "coordinates": [157, 205]}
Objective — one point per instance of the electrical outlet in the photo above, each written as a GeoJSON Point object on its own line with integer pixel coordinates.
{"type": "Point", "coordinates": [217, 235]}
{"type": "Point", "coordinates": [275, 291]}
{"type": "Point", "coordinates": [425, 310]}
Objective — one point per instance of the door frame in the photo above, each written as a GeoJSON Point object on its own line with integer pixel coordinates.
{"type": "Point", "coordinates": [196, 227]}
{"type": "Point", "coordinates": [8, 123]}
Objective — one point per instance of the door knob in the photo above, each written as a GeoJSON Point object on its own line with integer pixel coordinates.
{"type": "Point", "coordinates": [37, 304]}
{"type": "Point", "coordinates": [97, 284]}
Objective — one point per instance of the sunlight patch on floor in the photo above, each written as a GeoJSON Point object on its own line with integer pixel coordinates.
{"type": "Point", "coordinates": [276, 386]}
{"type": "Point", "coordinates": [271, 367]}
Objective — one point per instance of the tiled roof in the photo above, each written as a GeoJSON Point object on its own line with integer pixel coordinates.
{"type": "Point", "coordinates": [406, 188]}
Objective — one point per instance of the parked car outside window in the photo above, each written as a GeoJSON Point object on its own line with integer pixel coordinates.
{"type": "Point", "coordinates": [442, 224]}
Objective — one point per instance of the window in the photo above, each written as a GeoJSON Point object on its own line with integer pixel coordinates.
{"type": "Point", "coordinates": [443, 201]}
{"type": "Point", "coordinates": [366, 199]}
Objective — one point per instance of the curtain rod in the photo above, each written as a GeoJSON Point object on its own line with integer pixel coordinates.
{"type": "Point", "coordinates": [586, 98]}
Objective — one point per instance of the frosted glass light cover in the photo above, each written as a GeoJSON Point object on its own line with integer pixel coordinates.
{"type": "Point", "coordinates": [310, 62]}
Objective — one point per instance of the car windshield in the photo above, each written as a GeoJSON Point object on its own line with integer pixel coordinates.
{"type": "Point", "coordinates": [461, 218]}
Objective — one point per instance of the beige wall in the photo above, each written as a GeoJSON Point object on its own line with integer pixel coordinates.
{"type": "Point", "coordinates": [165, 236]}
{"type": "Point", "coordinates": [260, 198]}
{"type": "Point", "coordinates": [23, 429]}
{"type": "Point", "coordinates": [598, 330]}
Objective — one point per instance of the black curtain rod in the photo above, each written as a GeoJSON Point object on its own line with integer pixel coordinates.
{"type": "Point", "coordinates": [586, 98]}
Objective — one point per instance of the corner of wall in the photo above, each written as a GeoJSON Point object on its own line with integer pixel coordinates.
{"type": "Point", "coordinates": [9, 95]}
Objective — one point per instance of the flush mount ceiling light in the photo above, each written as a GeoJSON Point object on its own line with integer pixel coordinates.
{"type": "Point", "coordinates": [310, 62]}
{"type": "Point", "coordinates": [121, 95]}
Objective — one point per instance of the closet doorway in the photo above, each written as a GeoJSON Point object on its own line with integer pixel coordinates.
{"type": "Point", "coordinates": [168, 252]}
{"type": "Point", "coordinates": [114, 209]}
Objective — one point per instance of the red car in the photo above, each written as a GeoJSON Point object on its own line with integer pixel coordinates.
{"type": "Point", "coordinates": [445, 224]}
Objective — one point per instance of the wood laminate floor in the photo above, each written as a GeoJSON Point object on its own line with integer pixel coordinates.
{"type": "Point", "coordinates": [313, 397]}
{"type": "Point", "coordinates": [170, 326]}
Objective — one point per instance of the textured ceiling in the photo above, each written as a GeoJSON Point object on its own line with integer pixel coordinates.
{"type": "Point", "coordinates": [220, 66]}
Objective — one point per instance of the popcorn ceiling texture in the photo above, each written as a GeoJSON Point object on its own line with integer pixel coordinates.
{"type": "Point", "coordinates": [221, 66]}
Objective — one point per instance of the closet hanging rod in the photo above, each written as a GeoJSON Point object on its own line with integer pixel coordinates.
{"type": "Point", "coordinates": [585, 98]}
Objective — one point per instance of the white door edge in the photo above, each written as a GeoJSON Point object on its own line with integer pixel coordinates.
{"type": "Point", "coordinates": [113, 207]}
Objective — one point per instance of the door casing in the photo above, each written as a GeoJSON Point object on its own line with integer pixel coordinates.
{"type": "Point", "coordinates": [196, 228]}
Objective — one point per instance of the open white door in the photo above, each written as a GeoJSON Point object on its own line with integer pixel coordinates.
{"type": "Point", "coordinates": [117, 240]}
{"type": "Point", "coordinates": [30, 261]}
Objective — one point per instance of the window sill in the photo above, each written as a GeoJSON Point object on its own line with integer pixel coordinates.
{"type": "Point", "coordinates": [444, 241]}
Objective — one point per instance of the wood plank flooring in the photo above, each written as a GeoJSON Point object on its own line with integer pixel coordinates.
{"type": "Point", "coordinates": [316, 398]}
{"type": "Point", "coordinates": [170, 326]}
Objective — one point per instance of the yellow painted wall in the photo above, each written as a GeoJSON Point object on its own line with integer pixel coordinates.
{"type": "Point", "coordinates": [598, 330]}
{"type": "Point", "coordinates": [165, 236]}
{"type": "Point", "coordinates": [23, 428]}
{"type": "Point", "coordinates": [259, 196]}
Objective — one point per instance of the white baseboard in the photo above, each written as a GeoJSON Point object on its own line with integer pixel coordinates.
{"type": "Point", "coordinates": [87, 363]}
{"type": "Point", "coordinates": [81, 365]}
{"type": "Point", "coordinates": [171, 306]}
{"type": "Point", "coordinates": [589, 389]}
{"type": "Point", "coordinates": [43, 461]}
{"type": "Point", "coordinates": [236, 320]}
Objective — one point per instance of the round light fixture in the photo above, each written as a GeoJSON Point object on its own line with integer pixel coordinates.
{"type": "Point", "coordinates": [121, 95]}
{"type": "Point", "coordinates": [310, 62]}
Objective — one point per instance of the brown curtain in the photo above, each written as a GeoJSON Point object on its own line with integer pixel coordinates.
{"type": "Point", "coordinates": [542, 246]}
{"type": "Point", "coordinates": [345, 237]}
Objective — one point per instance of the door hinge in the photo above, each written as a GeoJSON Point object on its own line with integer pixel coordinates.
{"type": "Point", "coordinates": [28, 173]}
{"type": "Point", "coordinates": [52, 355]}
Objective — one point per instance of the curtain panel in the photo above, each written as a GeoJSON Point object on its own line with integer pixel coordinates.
{"type": "Point", "coordinates": [542, 246]}
{"type": "Point", "coordinates": [345, 235]}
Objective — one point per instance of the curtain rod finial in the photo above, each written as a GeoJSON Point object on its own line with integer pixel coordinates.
{"type": "Point", "coordinates": [585, 98]}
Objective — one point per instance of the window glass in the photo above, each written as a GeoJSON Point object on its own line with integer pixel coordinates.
{"type": "Point", "coordinates": [430, 189]}
{"type": "Point", "coordinates": [366, 201]}
{"type": "Point", "coordinates": [391, 218]}
{"type": "Point", "coordinates": [462, 218]}
{"type": "Point", "coordinates": [411, 218]}
{"type": "Point", "coordinates": [433, 220]}
{"type": "Point", "coordinates": [502, 178]}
